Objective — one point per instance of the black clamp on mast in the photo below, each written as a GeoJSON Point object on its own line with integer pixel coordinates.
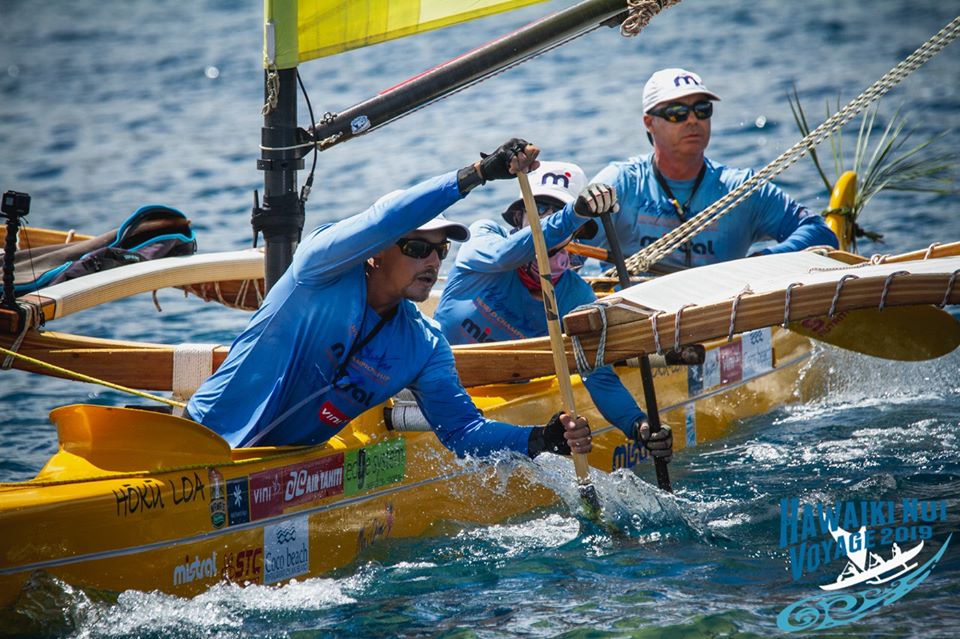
{"type": "Point", "coordinates": [280, 217]}
{"type": "Point", "coordinates": [14, 206]}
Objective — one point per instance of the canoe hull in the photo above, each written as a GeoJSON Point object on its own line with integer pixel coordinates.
{"type": "Point", "coordinates": [95, 519]}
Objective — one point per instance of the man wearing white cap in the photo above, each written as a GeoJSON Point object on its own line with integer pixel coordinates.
{"type": "Point", "coordinates": [339, 332]}
{"type": "Point", "coordinates": [660, 191]}
{"type": "Point", "coordinates": [493, 290]}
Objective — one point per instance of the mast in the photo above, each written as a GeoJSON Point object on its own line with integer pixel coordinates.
{"type": "Point", "coordinates": [279, 215]}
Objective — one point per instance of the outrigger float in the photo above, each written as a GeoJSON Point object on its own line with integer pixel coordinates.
{"type": "Point", "coordinates": [138, 499]}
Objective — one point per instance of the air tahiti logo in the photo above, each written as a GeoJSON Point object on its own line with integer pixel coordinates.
{"type": "Point", "coordinates": [871, 554]}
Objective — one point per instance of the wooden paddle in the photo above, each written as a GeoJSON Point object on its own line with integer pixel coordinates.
{"type": "Point", "coordinates": [646, 373]}
{"type": "Point", "coordinates": [588, 493]}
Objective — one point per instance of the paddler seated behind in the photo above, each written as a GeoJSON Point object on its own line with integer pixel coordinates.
{"type": "Point", "coordinates": [493, 291]}
{"type": "Point", "coordinates": [659, 191]}
{"type": "Point", "coordinates": [339, 332]}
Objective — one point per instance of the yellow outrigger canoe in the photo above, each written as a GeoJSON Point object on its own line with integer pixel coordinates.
{"type": "Point", "coordinates": [136, 499]}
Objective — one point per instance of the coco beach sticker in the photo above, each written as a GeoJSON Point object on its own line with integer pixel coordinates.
{"type": "Point", "coordinates": [863, 555]}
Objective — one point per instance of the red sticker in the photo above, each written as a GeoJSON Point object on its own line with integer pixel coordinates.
{"type": "Point", "coordinates": [731, 363]}
{"type": "Point", "coordinates": [331, 415]}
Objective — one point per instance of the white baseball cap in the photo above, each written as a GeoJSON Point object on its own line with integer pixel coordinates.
{"type": "Point", "coordinates": [455, 230]}
{"type": "Point", "coordinates": [559, 180]}
{"type": "Point", "coordinates": [670, 84]}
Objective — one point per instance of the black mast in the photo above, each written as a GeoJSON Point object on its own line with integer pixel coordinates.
{"type": "Point", "coordinates": [280, 217]}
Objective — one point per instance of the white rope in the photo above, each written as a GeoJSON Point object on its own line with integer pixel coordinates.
{"type": "Point", "coordinates": [668, 243]}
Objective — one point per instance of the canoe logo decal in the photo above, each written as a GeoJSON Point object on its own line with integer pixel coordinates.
{"type": "Point", "coordinates": [359, 124]}
{"type": "Point", "coordinates": [238, 501]}
{"type": "Point", "coordinates": [374, 466]}
{"type": "Point", "coordinates": [286, 550]}
{"type": "Point", "coordinates": [860, 555]}
{"type": "Point", "coordinates": [195, 569]}
{"type": "Point", "coordinates": [245, 565]}
{"type": "Point", "coordinates": [218, 499]}
{"type": "Point", "coordinates": [628, 455]}
{"type": "Point", "coordinates": [376, 528]}
{"type": "Point", "coordinates": [272, 491]}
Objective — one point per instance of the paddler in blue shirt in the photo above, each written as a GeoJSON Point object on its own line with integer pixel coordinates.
{"type": "Point", "coordinates": [659, 191]}
{"type": "Point", "coordinates": [493, 290]}
{"type": "Point", "coordinates": [339, 333]}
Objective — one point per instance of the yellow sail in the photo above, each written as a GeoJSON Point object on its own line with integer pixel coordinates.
{"type": "Point", "coordinates": [326, 27]}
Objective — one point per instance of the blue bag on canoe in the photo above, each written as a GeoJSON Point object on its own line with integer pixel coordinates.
{"type": "Point", "coordinates": [151, 232]}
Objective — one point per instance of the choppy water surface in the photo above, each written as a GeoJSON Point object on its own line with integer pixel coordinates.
{"type": "Point", "coordinates": [107, 106]}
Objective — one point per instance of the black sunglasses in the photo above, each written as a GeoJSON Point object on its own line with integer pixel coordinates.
{"type": "Point", "coordinates": [680, 112]}
{"type": "Point", "coordinates": [518, 212]}
{"type": "Point", "coordinates": [420, 249]}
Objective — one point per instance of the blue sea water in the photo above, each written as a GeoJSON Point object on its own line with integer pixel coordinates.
{"type": "Point", "coordinates": [110, 105]}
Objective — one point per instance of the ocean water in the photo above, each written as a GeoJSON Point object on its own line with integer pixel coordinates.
{"type": "Point", "coordinates": [111, 105]}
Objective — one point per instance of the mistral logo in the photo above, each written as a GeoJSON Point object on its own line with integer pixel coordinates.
{"type": "Point", "coordinates": [686, 79]}
{"type": "Point", "coordinates": [190, 571]}
{"type": "Point", "coordinates": [556, 179]}
{"type": "Point", "coordinates": [872, 552]}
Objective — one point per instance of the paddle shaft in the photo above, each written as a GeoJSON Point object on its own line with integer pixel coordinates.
{"type": "Point", "coordinates": [553, 319]}
{"type": "Point", "coordinates": [646, 373]}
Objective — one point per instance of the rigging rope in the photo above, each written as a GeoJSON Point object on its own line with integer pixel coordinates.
{"type": "Point", "coordinates": [642, 260]}
{"type": "Point", "coordinates": [641, 13]}
{"type": "Point", "coordinates": [86, 378]}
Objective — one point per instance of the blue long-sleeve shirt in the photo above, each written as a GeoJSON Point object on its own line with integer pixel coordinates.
{"type": "Point", "coordinates": [646, 213]}
{"type": "Point", "coordinates": [308, 324]}
{"type": "Point", "coordinates": [485, 301]}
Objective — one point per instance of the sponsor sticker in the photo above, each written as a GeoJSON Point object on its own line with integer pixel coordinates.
{"type": "Point", "coordinates": [757, 352]}
{"type": "Point", "coordinates": [272, 491]}
{"type": "Point", "coordinates": [238, 501]}
{"type": "Point", "coordinates": [195, 568]}
{"type": "Point", "coordinates": [374, 466]}
{"type": "Point", "coordinates": [359, 124]}
{"type": "Point", "coordinates": [331, 415]}
{"type": "Point", "coordinates": [731, 363]}
{"type": "Point", "coordinates": [218, 499]}
{"type": "Point", "coordinates": [245, 565]}
{"type": "Point", "coordinates": [286, 550]}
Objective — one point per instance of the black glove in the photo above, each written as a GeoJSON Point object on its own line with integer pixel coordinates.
{"type": "Point", "coordinates": [496, 166]}
{"type": "Point", "coordinates": [595, 200]}
{"type": "Point", "coordinates": [660, 443]}
{"type": "Point", "coordinates": [548, 438]}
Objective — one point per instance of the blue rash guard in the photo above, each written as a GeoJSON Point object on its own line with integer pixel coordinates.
{"type": "Point", "coordinates": [308, 324]}
{"type": "Point", "coordinates": [485, 301]}
{"type": "Point", "coordinates": [646, 213]}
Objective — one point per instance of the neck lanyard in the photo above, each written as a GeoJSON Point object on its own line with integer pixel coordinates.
{"type": "Point", "coordinates": [360, 343]}
{"type": "Point", "coordinates": [357, 345]}
{"type": "Point", "coordinates": [681, 211]}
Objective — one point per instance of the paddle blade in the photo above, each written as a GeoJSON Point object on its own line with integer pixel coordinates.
{"type": "Point", "coordinates": [591, 502]}
{"type": "Point", "coordinates": [905, 333]}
